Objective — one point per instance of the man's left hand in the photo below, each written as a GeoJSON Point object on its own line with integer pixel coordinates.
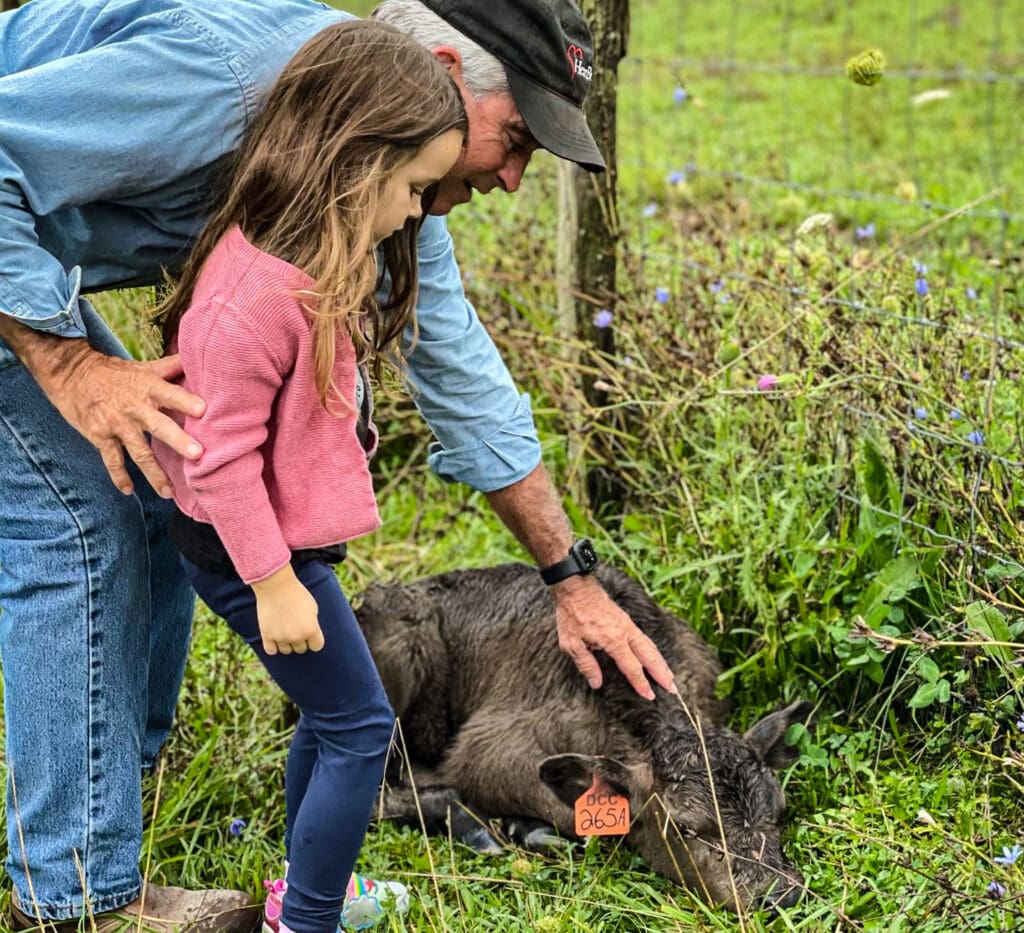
{"type": "Point", "coordinates": [589, 620]}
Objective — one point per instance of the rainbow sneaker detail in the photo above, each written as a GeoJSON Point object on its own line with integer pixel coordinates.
{"type": "Point", "coordinates": [366, 901]}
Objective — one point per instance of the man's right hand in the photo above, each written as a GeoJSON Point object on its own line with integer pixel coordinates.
{"type": "Point", "coordinates": [110, 401]}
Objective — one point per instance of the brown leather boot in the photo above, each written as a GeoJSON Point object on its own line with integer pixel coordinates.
{"type": "Point", "coordinates": [166, 910]}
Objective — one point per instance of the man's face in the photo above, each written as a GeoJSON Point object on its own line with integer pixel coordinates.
{"type": "Point", "coordinates": [497, 150]}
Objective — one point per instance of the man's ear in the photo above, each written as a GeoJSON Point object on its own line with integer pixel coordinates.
{"type": "Point", "coordinates": [450, 59]}
{"type": "Point", "coordinates": [570, 775]}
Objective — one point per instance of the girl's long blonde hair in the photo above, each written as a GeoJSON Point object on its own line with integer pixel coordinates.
{"type": "Point", "coordinates": [354, 103]}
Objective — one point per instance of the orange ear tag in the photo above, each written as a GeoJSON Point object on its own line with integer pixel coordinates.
{"type": "Point", "coordinates": [601, 812]}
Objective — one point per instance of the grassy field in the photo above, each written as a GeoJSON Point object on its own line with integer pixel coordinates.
{"type": "Point", "coordinates": [852, 534]}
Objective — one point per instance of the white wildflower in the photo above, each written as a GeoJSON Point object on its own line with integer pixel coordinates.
{"type": "Point", "coordinates": [929, 97]}
{"type": "Point", "coordinates": [814, 223]}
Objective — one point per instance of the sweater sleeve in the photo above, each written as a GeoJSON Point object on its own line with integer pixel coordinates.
{"type": "Point", "coordinates": [230, 366]}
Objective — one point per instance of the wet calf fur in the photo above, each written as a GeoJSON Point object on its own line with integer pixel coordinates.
{"type": "Point", "coordinates": [497, 722]}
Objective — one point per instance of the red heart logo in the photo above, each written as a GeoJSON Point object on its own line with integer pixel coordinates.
{"type": "Point", "coordinates": [575, 55]}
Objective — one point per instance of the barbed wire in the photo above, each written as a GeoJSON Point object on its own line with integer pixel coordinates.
{"type": "Point", "coordinates": [713, 67]}
{"type": "Point", "coordinates": [850, 304]}
{"type": "Point", "coordinates": [851, 194]}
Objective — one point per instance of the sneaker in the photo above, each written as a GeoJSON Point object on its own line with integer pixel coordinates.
{"type": "Point", "coordinates": [166, 910]}
{"type": "Point", "coordinates": [272, 909]}
{"type": "Point", "coordinates": [365, 901]}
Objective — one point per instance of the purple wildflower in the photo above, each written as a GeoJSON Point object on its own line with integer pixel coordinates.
{"type": "Point", "coordinates": [996, 890]}
{"type": "Point", "coordinates": [972, 295]}
{"type": "Point", "coordinates": [956, 414]}
{"type": "Point", "coordinates": [1009, 856]}
{"type": "Point", "coordinates": [920, 268]}
{"type": "Point", "coordinates": [767, 382]}
{"type": "Point", "coordinates": [661, 295]}
{"type": "Point", "coordinates": [921, 286]}
{"type": "Point", "coordinates": [865, 232]}
{"type": "Point", "coordinates": [976, 437]}
{"type": "Point", "coordinates": [603, 318]}
{"type": "Point", "coordinates": [650, 209]}
{"type": "Point", "coordinates": [1020, 723]}
{"type": "Point", "coordinates": [679, 95]}
{"type": "Point", "coordinates": [236, 827]}
{"type": "Point", "coordinates": [676, 177]}
{"type": "Point", "coordinates": [716, 286]}
{"type": "Point", "coordinates": [920, 413]}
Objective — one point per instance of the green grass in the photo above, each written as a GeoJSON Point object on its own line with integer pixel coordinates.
{"type": "Point", "coordinates": [828, 541]}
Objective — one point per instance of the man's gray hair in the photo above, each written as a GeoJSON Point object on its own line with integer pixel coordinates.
{"type": "Point", "coordinates": [481, 71]}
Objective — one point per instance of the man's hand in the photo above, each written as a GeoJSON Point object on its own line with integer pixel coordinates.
{"type": "Point", "coordinates": [588, 619]}
{"type": "Point", "coordinates": [288, 615]}
{"type": "Point", "coordinates": [110, 401]}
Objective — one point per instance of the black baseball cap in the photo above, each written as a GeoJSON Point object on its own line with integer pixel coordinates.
{"type": "Point", "coordinates": [548, 54]}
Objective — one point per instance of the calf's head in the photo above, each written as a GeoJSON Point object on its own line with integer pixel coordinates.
{"type": "Point", "coordinates": [706, 807]}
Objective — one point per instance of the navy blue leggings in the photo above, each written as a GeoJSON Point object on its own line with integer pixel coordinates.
{"type": "Point", "coordinates": [336, 760]}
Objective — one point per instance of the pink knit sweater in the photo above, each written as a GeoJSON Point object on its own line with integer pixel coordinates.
{"type": "Point", "coordinates": [278, 471]}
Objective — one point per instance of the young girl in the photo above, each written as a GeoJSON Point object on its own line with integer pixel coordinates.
{"type": "Point", "coordinates": [275, 319]}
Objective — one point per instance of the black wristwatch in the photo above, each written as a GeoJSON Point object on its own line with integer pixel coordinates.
{"type": "Point", "coordinates": [582, 559]}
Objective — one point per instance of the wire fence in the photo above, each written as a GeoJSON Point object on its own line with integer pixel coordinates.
{"type": "Point", "coordinates": [896, 208]}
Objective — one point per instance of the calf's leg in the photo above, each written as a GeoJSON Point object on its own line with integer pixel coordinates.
{"type": "Point", "coordinates": [438, 811]}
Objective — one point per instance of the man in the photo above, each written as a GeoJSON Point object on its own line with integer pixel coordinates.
{"type": "Point", "coordinates": [115, 116]}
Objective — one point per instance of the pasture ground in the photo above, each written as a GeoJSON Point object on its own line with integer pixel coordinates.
{"type": "Point", "coordinates": [875, 491]}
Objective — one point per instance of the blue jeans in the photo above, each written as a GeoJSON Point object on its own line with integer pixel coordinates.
{"type": "Point", "coordinates": [95, 617]}
{"type": "Point", "coordinates": [336, 760]}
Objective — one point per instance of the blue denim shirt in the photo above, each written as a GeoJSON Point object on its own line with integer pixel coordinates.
{"type": "Point", "coordinates": [114, 115]}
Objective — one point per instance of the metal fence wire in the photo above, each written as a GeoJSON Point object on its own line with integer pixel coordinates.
{"type": "Point", "coordinates": [760, 180]}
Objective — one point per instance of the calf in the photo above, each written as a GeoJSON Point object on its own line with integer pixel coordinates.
{"type": "Point", "coordinates": [497, 722]}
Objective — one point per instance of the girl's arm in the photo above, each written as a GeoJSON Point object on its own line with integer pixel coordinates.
{"type": "Point", "coordinates": [228, 361]}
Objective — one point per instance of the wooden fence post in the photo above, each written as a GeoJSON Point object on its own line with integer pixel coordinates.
{"type": "Point", "coordinates": [588, 234]}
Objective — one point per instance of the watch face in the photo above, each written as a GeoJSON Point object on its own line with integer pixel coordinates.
{"type": "Point", "coordinates": [587, 554]}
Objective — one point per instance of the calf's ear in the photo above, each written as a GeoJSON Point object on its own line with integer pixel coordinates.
{"type": "Point", "coordinates": [570, 775]}
{"type": "Point", "coordinates": [768, 737]}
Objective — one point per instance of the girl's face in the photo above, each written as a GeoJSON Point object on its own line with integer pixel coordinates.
{"type": "Point", "coordinates": [400, 199]}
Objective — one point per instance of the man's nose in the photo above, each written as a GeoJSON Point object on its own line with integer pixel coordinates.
{"type": "Point", "coordinates": [510, 175]}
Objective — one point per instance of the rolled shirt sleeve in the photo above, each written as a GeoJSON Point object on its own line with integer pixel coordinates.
{"type": "Point", "coordinates": [112, 116]}
{"type": "Point", "coordinates": [484, 426]}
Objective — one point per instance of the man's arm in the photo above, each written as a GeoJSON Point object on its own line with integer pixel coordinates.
{"type": "Point", "coordinates": [587, 617]}
{"type": "Point", "coordinates": [109, 145]}
{"type": "Point", "coordinates": [487, 439]}
{"type": "Point", "coordinates": [110, 401]}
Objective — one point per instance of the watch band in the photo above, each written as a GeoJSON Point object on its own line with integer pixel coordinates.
{"type": "Point", "coordinates": [581, 560]}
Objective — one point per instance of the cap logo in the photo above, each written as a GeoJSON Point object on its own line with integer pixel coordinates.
{"type": "Point", "coordinates": [576, 65]}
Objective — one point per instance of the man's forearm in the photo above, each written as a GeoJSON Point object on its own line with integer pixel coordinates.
{"type": "Point", "coordinates": [42, 354]}
{"type": "Point", "coordinates": [587, 618]}
{"type": "Point", "coordinates": [532, 511]}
